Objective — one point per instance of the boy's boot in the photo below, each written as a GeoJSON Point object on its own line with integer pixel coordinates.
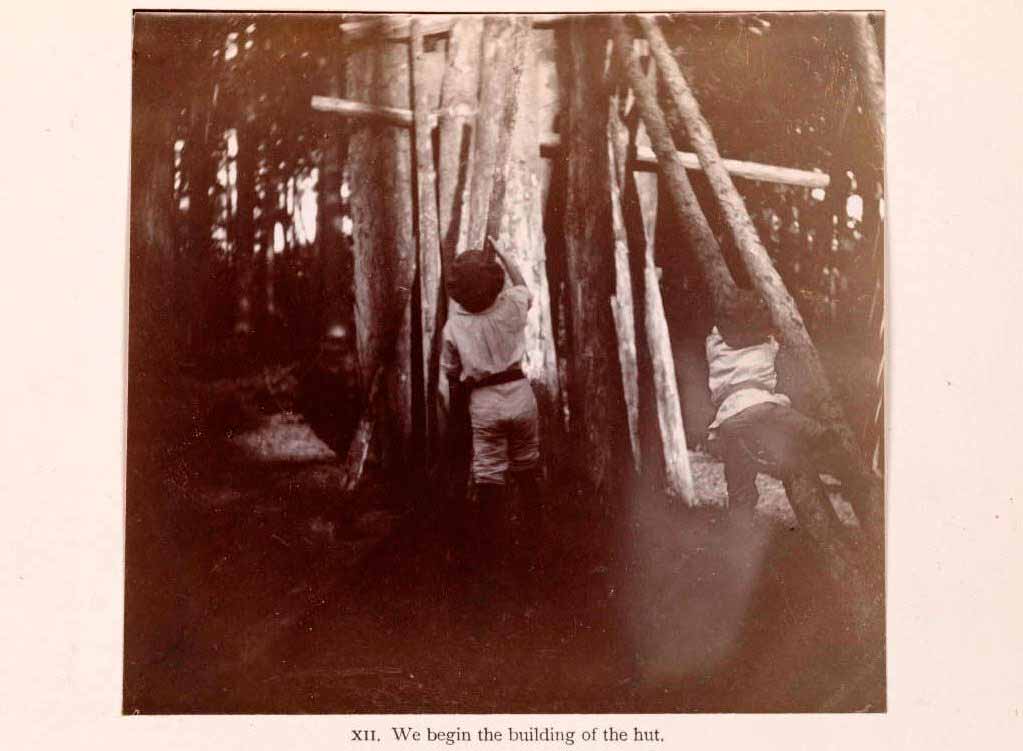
{"type": "Point", "coordinates": [491, 543]}
{"type": "Point", "coordinates": [529, 558]}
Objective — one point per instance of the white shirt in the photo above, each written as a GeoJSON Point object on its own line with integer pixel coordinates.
{"type": "Point", "coordinates": [477, 345]}
{"type": "Point", "coordinates": [730, 367]}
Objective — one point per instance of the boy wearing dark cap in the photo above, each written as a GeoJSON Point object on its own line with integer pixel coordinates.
{"type": "Point", "coordinates": [483, 346]}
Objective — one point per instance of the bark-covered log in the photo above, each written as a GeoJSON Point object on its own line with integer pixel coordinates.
{"type": "Point", "coordinates": [596, 407]}
{"type": "Point", "coordinates": [678, 473]}
{"type": "Point", "coordinates": [701, 238]}
{"type": "Point", "coordinates": [429, 234]}
{"type": "Point", "coordinates": [398, 26]}
{"type": "Point", "coordinates": [456, 137]}
{"type": "Point", "coordinates": [504, 41]}
{"type": "Point", "coordinates": [378, 113]}
{"type": "Point", "coordinates": [521, 232]}
{"type": "Point", "coordinates": [622, 306]}
{"type": "Point", "coordinates": [380, 164]}
{"type": "Point", "coordinates": [869, 73]}
{"type": "Point", "coordinates": [864, 491]}
{"type": "Point", "coordinates": [457, 128]}
{"type": "Point", "coordinates": [550, 144]}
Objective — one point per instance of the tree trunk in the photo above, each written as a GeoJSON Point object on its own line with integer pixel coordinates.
{"type": "Point", "coordinates": [429, 237]}
{"type": "Point", "coordinates": [457, 125]}
{"type": "Point", "coordinates": [596, 406]}
{"type": "Point", "coordinates": [864, 490]}
{"type": "Point", "coordinates": [261, 295]}
{"type": "Point", "coordinates": [622, 306]}
{"type": "Point", "coordinates": [504, 41]}
{"type": "Point", "coordinates": [335, 262]}
{"type": "Point", "coordinates": [380, 162]}
{"type": "Point", "coordinates": [201, 171]}
{"type": "Point", "coordinates": [678, 474]}
{"type": "Point", "coordinates": [245, 234]}
{"type": "Point", "coordinates": [521, 232]}
{"type": "Point", "coordinates": [869, 73]}
{"type": "Point", "coordinates": [152, 252]}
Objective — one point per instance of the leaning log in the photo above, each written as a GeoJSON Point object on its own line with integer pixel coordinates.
{"type": "Point", "coordinates": [869, 73]}
{"type": "Point", "coordinates": [864, 490]}
{"type": "Point", "coordinates": [678, 474]}
{"type": "Point", "coordinates": [429, 235]}
{"type": "Point", "coordinates": [622, 307]}
{"type": "Point", "coordinates": [701, 238]}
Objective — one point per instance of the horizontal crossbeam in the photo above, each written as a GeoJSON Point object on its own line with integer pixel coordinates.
{"type": "Point", "coordinates": [396, 27]}
{"type": "Point", "coordinates": [550, 144]}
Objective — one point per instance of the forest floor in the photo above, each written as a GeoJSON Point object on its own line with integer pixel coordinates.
{"type": "Point", "coordinates": [252, 587]}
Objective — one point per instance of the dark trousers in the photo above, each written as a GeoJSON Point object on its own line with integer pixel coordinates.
{"type": "Point", "coordinates": [776, 440]}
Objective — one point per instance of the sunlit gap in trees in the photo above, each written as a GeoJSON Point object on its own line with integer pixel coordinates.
{"type": "Point", "coordinates": [297, 197]}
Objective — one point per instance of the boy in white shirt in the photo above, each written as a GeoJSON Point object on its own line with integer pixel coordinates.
{"type": "Point", "coordinates": [484, 341]}
{"type": "Point", "coordinates": [755, 429]}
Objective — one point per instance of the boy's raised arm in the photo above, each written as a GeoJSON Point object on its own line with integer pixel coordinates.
{"type": "Point", "coordinates": [509, 265]}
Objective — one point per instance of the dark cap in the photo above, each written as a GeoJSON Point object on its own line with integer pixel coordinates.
{"type": "Point", "coordinates": [474, 280]}
{"type": "Point", "coordinates": [746, 319]}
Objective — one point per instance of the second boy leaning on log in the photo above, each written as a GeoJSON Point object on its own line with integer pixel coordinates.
{"type": "Point", "coordinates": [483, 346]}
{"type": "Point", "coordinates": [755, 429]}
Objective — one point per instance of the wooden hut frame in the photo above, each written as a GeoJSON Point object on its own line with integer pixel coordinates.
{"type": "Point", "coordinates": [488, 126]}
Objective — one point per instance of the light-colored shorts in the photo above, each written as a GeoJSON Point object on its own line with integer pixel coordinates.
{"type": "Point", "coordinates": [505, 434]}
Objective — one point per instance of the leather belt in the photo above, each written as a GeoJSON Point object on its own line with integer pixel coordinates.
{"type": "Point", "coordinates": [505, 376]}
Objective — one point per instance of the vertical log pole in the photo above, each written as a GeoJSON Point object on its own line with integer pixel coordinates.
{"type": "Point", "coordinates": [457, 126]}
{"type": "Point", "coordinates": [380, 164]}
{"type": "Point", "coordinates": [522, 235]}
{"type": "Point", "coordinates": [508, 115]}
{"type": "Point", "coordinates": [865, 491]}
{"type": "Point", "coordinates": [456, 131]}
{"type": "Point", "coordinates": [503, 60]}
{"type": "Point", "coordinates": [596, 409]}
{"type": "Point", "coordinates": [622, 307]}
{"type": "Point", "coordinates": [429, 234]}
{"type": "Point", "coordinates": [870, 73]}
{"type": "Point", "coordinates": [678, 473]}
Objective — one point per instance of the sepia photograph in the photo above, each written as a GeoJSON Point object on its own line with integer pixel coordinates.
{"type": "Point", "coordinates": [506, 364]}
